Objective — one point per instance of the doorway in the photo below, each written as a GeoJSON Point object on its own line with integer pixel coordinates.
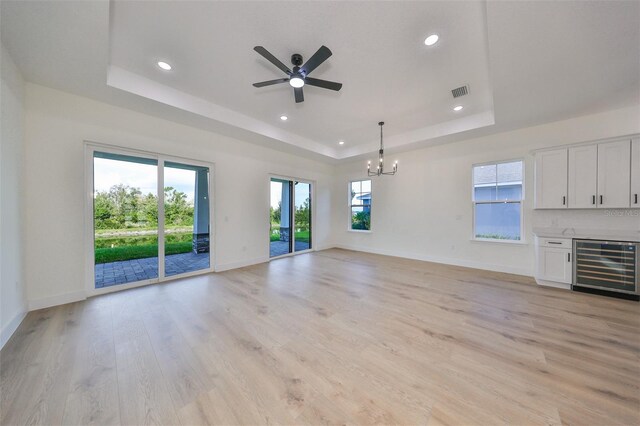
{"type": "Point", "coordinates": [150, 218]}
{"type": "Point", "coordinates": [290, 215]}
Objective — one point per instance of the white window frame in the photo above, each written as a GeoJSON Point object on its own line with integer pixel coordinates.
{"type": "Point", "coordinates": [91, 147]}
{"type": "Point", "coordinates": [349, 205]}
{"type": "Point", "coordinates": [474, 203]}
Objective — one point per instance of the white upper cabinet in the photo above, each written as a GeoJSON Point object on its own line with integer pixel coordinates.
{"type": "Point", "coordinates": [614, 174]}
{"type": "Point", "coordinates": [635, 173]}
{"type": "Point", "coordinates": [586, 176]}
{"type": "Point", "coordinates": [551, 179]}
{"type": "Point", "coordinates": [583, 177]}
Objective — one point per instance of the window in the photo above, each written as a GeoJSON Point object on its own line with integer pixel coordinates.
{"type": "Point", "coordinates": [497, 201]}
{"type": "Point", "coordinates": [360, 205]}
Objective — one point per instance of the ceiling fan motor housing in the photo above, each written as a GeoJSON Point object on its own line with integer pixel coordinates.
{"type": "Point", "coordinates": [296, 59]}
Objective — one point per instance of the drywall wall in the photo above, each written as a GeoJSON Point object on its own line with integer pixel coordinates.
{"type": "Point", "coordinates": [425, 211]}
{"type": "Point", "coordinates": [58, 124]}
{"type": "Point", "coordinates": [12, 285]}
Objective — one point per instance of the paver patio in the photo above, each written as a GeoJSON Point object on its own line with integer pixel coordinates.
{"type": "Point", "coordinates": [278, 248]}
{"type": "Point", "coordinates": [126, 271]}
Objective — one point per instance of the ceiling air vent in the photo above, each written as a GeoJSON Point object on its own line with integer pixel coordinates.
{"type": "Point", "coordinates": [460, 91]}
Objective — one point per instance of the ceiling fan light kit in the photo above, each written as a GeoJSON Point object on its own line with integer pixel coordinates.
{"type": "Point", "coordinates": [298, 77]}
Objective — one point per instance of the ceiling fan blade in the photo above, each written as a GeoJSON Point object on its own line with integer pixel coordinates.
{"type": "Point", "coordinates": [318, 58]}
{"type": "Point", "coordinates": [323, 83]}
{"type": "Point", "coordinates": [270, 82]}
{"type": "Point", "coordinates": [299, 95]}
{"type": "Point", "coordinates": [269, 57]}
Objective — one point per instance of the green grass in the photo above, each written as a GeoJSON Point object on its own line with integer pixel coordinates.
{"type": "Point", "coordinates": [107, 255]}
{"type": "Point", "coordinates": [302, 236]}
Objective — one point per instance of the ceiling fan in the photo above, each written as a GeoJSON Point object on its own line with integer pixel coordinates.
{"type": "Point", "coordinates": [298, 77]}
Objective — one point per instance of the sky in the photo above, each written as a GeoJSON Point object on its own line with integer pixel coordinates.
{"type": "Point", "coordinates": [109, 172]}
{"type": "Point", "coordinates": [302, 193]}
{"type": "Point", "coordinates": [144, 176]}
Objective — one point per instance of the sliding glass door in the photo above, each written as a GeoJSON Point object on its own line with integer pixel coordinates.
{"type": "Point", "coordinates": [290, 217]}
{"type": "Point", "coordinates": [151, 218]}
{"type": "Point", "coordinates": [302, 216]}
{"type": "Point", "coordinates": [186, 218]}
{"type": "Point", "coordinates": [125, 218]}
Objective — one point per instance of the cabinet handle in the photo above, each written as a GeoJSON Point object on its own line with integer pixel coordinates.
{"type": "Point", "coordinates": [635, 198]}
{"type": "Point", "coordinates": [601, 200]}
{"type": "Point", "coordinates": [564, 200]}
{"type": "Point", "coordinates": [554, 242]}
{"type": "Point", "coordinates": [593, 200]}
{"type": "Point", "coordinates": [568, 257]}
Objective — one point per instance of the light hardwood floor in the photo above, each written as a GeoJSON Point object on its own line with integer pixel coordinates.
{"type": "Point", "coordinates": [329, 337]}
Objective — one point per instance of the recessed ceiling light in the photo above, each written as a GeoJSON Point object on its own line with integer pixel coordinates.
{"type": "Point", "coordinates": [284, 118]}
{"type": "Point", "coordinates": [431, 40]}
{"type": "Point", "coordinates": [457, 108]}
{"type": "Point", "coordinates": [165, 66]}
{"type": "Point", "coordinates": [341, 143]}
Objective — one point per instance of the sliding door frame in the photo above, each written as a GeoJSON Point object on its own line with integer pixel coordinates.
{"type": "Point", "coordinates": [312, 190]}
{"type": "Point", "coordinates": [89, 231]}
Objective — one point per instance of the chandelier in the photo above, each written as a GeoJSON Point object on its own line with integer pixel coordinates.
{"type": "Point", "coordinates": [380, 168]}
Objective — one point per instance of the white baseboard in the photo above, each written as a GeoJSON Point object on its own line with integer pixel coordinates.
{"type": "Point", "coordinates": [60, 299]}
{"type": "Point", "coordinates": [241, 264]}
{"type": "Point", "coordinates": [444, 260]}
{"type": "Point", "coordinates": [553, 284]}
{"type": "Point", "coordinates": [10, 328]}
{"type": "Point", "coordinates": [325, 247]}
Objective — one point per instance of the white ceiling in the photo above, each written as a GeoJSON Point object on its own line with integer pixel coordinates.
{"type": "Point", "coordinates": [526, 63]}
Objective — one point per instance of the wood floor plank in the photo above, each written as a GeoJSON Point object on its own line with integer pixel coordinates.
{"type": "Point", "coordinates": [330, 337]}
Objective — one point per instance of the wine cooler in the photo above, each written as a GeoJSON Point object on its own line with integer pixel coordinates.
{"type": "Point", "coordinates": [606, 265]}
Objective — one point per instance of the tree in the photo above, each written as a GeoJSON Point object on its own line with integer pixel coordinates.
{"type": "Point", "coordinates": [303, 215]}
{"type": "Point", "coordinates": [361, 220]}
{"type": "Point", "coordinates": [176, 209]}
{"type": "Point", "coordinates": [149, 208]}
{"type": "Point", "coordinates": [275, 214]}
{"type": "Point", "coordinates": [124, 206]}
{"type": "Point", "coordinates": [104, 210]}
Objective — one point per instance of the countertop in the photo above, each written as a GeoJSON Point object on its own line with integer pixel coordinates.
{"type": "Point", "coordinates": [593, 234]}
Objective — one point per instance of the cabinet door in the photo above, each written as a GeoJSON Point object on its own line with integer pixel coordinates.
{"type": "Point", "coordinates": [614, 174]}
{"type": "Point", "coordinates": [554, 265]}
{"type": "Point", "coordinates": [551, 179]}
{"type": "Point", "coordinates": [635, 173]}
{"type": "Point", "coordinates": [583, 177]}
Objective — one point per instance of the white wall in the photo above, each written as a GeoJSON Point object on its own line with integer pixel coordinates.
{"type": "Point", "coordinates": [12, 285]}
{"type": "Point", "coordinates": [58, 123]}
{"type": "Point", "coordinates": [425, 211]}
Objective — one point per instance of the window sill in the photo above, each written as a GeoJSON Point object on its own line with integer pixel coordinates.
{"type": "Point", "coordinates": [359, 231]}
{"type": "Point", "coordinates": [497, 241]}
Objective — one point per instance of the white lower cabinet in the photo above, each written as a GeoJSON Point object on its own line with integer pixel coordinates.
{"type": "Point", "coordinates": [554, 262]}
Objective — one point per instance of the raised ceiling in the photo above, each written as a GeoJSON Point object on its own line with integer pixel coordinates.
{"type": "Point", "coordinates": [525, 63]}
